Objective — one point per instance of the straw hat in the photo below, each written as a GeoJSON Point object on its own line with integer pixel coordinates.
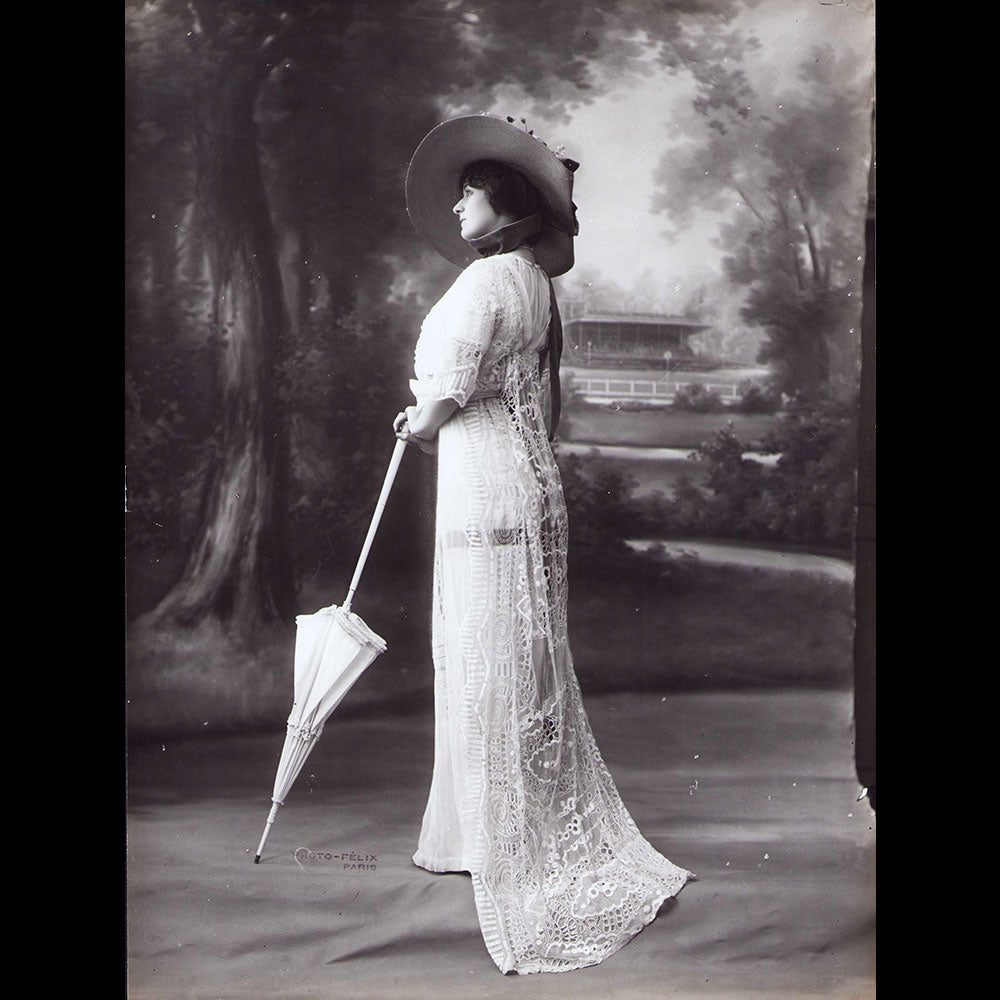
{"type": "Point", "coordinates": [435, 172]}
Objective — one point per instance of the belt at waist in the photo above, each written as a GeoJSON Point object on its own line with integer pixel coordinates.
{"type": "Point", "coordinates": [422, 390]}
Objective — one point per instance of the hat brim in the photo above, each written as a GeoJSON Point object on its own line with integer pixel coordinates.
{"type": "Point", "coordinates": [435, 172]}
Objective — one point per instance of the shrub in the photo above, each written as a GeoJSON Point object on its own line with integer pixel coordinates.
{"type": "Point", "coordinates": [807, 497]}
{"type": "Point", "coordinates": [754, 398]}
{"type": "Point", "coordinates": [603, 514]}
{"type": "Point", "coordinates": [695, 397]}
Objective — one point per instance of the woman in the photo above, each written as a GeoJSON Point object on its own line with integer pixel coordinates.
{"type": "Point", "coordinates": [520, 797]}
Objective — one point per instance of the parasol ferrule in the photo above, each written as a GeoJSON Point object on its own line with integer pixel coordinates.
{"type": "Point", "coordinates": [267, 830]}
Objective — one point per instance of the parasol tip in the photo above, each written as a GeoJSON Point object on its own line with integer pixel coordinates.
{"type": "Point", "coordinates": [256, 860]}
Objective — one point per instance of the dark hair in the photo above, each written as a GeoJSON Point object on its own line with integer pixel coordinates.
{"type": "Point", "coordinates": [507, 189]}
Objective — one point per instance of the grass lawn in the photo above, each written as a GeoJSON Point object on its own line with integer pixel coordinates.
{"type": "Point", "coordinates": [660, 428]}
{"type": "Point", "coordinates": [716, 627]}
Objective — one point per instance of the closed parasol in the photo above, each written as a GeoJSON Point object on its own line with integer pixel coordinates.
{"type": "Point", "coordinates": [333, 647]}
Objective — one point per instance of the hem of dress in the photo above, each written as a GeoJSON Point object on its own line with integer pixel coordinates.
{"type": "Point", "coordinates": [494, 944]}
{"type": "Point", "coordinates": [440, 866]}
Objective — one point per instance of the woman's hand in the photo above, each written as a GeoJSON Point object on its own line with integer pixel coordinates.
{"type": "Point", "coordinates": [401, 428]}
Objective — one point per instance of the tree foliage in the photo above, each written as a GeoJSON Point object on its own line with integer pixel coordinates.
{"type": "Point", "coordinates": [785, 169]}
{"type": "Point", "coordinates": [266, 147]}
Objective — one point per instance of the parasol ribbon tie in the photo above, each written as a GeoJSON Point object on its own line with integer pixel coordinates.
{"type": "Point", "coordinates": [303, 731]}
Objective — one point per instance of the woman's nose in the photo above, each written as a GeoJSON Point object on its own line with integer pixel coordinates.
{"type": "Point", "coordinates": [457, 207]}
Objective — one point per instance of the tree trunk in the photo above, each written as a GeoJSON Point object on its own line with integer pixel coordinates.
{"type": "Point", "coordinates": [807, 228]}
{"type": "Point", "coordinates": [239, 569]}
{"type": "Point", "coordinates": [786, 226]}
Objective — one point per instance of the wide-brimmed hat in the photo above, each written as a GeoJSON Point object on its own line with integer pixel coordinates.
{"type": "Point", "coordinates": [435, 173]}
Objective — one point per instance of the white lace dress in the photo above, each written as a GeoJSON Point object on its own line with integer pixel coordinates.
{"type": "Point", "coordinates": [520, 797]}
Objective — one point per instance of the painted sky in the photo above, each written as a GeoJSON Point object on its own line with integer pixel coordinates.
{"type": "Point", "coordinates": [620, 138]}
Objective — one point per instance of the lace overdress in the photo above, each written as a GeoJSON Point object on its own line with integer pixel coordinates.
{"type": "Point", "coordinates": [520, 796]}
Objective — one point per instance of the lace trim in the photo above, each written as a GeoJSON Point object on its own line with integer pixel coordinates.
{"type": "Point", "coordinates": [354, 626]}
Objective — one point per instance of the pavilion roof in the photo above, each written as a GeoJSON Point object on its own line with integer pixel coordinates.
{"type": "Point", "coordinates": [643, 318]}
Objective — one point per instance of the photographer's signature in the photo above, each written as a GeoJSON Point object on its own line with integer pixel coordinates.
{"type": "Point", "coordinates": [349, 861]}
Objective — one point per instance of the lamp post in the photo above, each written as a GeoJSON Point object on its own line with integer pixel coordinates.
{"type": "Point", "coordinates": [668, 356]}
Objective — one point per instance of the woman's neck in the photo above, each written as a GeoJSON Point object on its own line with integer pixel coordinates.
{"type": "Point", "coordinates": [509, 238]}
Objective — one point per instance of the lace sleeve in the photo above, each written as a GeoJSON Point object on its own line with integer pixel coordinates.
{"type": "Point", "coordinates": [469, 317]}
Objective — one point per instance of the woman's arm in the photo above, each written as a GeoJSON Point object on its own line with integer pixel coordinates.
{"type": "Point", "coordinates": [469, 316]}
{"type": "Point", "coordinates": [425, 419]}
{"type": "Point", "coordinates": [420, 424]}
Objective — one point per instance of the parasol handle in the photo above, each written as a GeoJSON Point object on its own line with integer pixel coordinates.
{"type": "Point", "coordinates": [267, 830]}
{"type": "Point", "coordinates": [390, 475]}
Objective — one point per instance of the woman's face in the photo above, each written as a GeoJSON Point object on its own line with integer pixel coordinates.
{"type": "Point", "coordinates": [476, 215]}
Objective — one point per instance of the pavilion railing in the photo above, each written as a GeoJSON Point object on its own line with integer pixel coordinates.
{"type": "Point", "coordinates": [646, 389]}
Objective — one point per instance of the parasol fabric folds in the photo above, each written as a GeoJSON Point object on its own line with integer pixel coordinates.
{"type": "Point", "coordinates": [333, 647]}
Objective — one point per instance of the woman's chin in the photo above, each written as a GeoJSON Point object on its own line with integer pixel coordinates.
{"type": "Point", "coordinates": [471, 232]}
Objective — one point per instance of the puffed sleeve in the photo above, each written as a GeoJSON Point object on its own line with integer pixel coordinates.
{"type": "Point", "coordinates": [469, 316]}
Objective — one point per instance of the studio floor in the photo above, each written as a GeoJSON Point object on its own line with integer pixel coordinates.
{"type": "Point", "coordinates": [755, 792]}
